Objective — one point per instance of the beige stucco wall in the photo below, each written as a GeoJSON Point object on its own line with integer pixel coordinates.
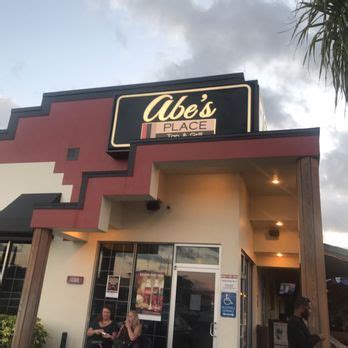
{"type": "Point", "coordinates": [288, 241]}
{"type": "Point", "coordinates": [246, 230]}
{"type": "Point", "coordinates": [288, 261]}
{"type": "Point", "coordinates": [276, 207]}
{"type": "Point", "coordinates": [203, 209]}
{"type": "Point", "coordinates": [264, 212]}
{"type": "Point", "coordinates": [247, 244]}
{"type": "Point", "coordinates": [64, 307]}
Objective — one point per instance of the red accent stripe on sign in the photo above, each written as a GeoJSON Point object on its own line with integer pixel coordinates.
{"type": "Point", "coordinates": [143, 131]}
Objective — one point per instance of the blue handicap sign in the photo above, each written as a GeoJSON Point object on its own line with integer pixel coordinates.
{"type": "Point", "coordinates": [228, 304]}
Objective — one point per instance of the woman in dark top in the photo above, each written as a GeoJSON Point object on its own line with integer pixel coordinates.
{"type": "Point", "coordinates": [102, 330]}
{"type": "Point", "coordinates": [130, 330]}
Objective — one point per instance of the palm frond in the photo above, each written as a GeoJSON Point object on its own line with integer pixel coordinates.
{"type": "Point", "coordinates": [323, 26]}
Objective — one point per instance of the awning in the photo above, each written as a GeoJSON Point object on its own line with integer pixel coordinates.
{"type": "Point", "coordinates": [16, 217]}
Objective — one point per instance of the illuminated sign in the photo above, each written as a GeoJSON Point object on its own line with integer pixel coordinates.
{"type": "Point", "coordinates": [181, 112]}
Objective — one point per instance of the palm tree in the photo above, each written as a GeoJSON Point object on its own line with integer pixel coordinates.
{"type": "Point", "coordinates": [324, 25]}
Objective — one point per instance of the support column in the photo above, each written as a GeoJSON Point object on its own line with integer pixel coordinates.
{"type": "Point", "coordinates": [30, 299]}
{"type": "Point", "coordinates": [313, 278]}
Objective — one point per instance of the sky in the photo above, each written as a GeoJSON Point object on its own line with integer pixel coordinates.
{"type": "Point", "coordinates": [49, 46]}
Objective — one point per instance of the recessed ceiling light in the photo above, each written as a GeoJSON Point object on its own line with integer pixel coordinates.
{"type": "Point", "coordinates": [279, 223]}
{"type": "Point", "coordinates": [279, 254]}
{"type": "Point", "coordinates": [275, 180]}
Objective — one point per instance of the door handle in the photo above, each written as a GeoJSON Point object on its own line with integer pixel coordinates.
{"type": "Point", "coordinates": [212, 329]}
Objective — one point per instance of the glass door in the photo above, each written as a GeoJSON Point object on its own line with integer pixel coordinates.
{"type": "Point", "coordinates": [195, 296]}
{"type": "Point", "coordinates": [195, 309]}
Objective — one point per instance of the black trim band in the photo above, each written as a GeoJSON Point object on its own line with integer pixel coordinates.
{"type": "Point", "coordinates": [104, 92]}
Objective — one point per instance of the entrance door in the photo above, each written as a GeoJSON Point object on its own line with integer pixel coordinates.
{"type": "Point", "coordinates": [194, 297]}
{"type": "Point", "coordinates": [195, 312]}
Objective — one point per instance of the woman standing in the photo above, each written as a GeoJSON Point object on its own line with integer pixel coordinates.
{"type": "Point", "coordinates": [130, 330]}
{"type": "Point", "coordinates": [102, 330]}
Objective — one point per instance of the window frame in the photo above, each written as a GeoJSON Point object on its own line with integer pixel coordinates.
{"type": "Point", "coordinates": [246, 278]}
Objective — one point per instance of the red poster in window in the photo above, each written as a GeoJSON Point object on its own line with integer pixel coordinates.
{"type": "Point", "coordinates": [149, 296]}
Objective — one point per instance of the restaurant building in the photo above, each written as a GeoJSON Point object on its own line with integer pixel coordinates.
{"type": "Point", "coordinates": [169, 198]}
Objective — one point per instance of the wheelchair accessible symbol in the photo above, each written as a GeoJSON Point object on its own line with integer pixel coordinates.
{"type": "Point", "coordinates": [227, 300]}
{"type": "Point", "coordinates": [228, 304]}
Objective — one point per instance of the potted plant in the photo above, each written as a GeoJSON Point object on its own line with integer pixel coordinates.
{"type": "Point", "coordinates": [7, 327]}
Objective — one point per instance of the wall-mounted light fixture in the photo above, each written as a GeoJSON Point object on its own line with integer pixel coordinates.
{"type": "Point", "coordinates": [153, 205]}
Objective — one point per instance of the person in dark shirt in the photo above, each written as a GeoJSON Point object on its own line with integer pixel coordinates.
{"type": "Point", "coordinates": [102, 330]}
{"type": "Point", "coordinates": [298, 332]}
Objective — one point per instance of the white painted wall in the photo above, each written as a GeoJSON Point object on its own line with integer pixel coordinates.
{"type": "Point", "coordinates": [203, 209]}
{"type": "Point", "coordinates": [38, 177]}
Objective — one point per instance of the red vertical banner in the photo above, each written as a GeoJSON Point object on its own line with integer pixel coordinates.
{"type": "Point", "coordinates": [149, 295]}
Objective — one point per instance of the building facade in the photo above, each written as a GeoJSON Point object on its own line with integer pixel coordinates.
{"type": "Point", "coordinates": [167, 198]}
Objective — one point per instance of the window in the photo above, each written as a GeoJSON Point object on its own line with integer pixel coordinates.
{"type": "Point", "coordinates": [125, 260]}
{"type": "Point", "coordinates": [156, 258]}
{"type": "Point", "coordinates": [14, 259]}
{"type": "Point", "coordinates": [114, 259]}
{"type": "Point", "coordinates": [246, 302]}
{"type": "Point", "coordinates": [197, 255]}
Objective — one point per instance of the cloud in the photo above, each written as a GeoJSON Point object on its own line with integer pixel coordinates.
{"type": "Point", "coordinates": [6, 105]}
{"type": "Point", "coordinates": [334, 185]}
{"type": "Point", "coordinates": [225, 36]}
{"type": "Point", "coordinates": [276, 114]}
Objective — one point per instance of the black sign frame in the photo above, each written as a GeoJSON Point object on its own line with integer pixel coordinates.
{"type": "Point", "coordinates": [216, 84]}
